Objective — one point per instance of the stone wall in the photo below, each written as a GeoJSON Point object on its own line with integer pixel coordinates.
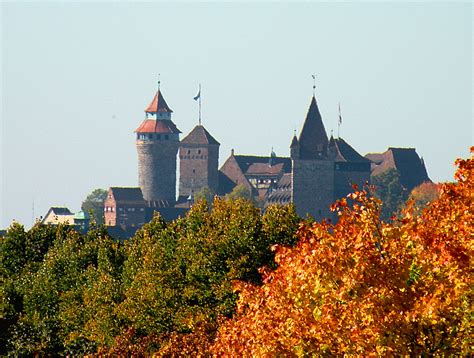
{"type": "Point", "coordinates": [312, 187]}
{"type": "Point", "coordinates": [198, 168]}
{"type": "Point", "coordinates": [344, 178]}
{"type": "Point", "coordinates": [157, 169]}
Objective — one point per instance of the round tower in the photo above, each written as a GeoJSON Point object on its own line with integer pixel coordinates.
{"type": "Point", "coordinates": [157, 144]}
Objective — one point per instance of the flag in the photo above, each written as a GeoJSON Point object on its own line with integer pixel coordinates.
{"type": "Point", "coordinates": [340, 116]}
{"type": "Point", "coordinates": [313, 77]}
{"type": "Point", "coordinates": [198, 95]}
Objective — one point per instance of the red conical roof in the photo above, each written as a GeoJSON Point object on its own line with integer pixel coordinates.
{"type": "Point", "coordinates": [158, 104]}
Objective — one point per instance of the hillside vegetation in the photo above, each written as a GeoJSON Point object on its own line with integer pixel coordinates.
{"type": "Point", "coordinates": [232, 281]}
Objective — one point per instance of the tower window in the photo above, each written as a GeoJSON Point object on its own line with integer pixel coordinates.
{"type": "Point", "coordinates": [199, 151]}
{"type": "Point", "coordinates": [189, 152]}
{"type": "Point", "coordinates": [194, 170]}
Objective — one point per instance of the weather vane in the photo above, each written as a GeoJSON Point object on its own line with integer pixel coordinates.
{"type": "Point", "coordinates": [159, 82]}
{"type": "Point", "coordinates": [314, 84]}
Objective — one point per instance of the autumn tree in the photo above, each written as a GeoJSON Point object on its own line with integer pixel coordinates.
{"type": "Point", "coordinates": [364, 286]}
{"type": "Point", "coordinates": [424, 193]}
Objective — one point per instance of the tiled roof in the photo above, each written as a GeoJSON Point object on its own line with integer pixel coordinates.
{"type": "Point", "coordinates": [127, 194]}
{"type": "Point", "coordinates": [282, 192]}
{"type": "Point", "coordinates": [158, 104]}
{"type": "Point", "coordinates": [265, 168]}
{"type": "Point", "coordinates": [313, 138]}
{"type": "Point", "coordinates": [345, 153]}
{"type": "Point", "coordinates": [60, 211]}
{"type": "Point", "coordinates": [157, 126]}
{"type": "Point", "coordinates": [405, 160]}
{"type": "Point", "coordinates": [252, 163]}
{"type": "Point", "coordinates": [225, 184]}
{"type": "Point", "coordinates": [199, 135]}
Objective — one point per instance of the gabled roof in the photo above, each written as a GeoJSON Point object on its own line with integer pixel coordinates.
{"type": "Point", "coordinates": [60, 211]}
{"type": "Point", "coordinates": [157, 126]}
{"type": "Point", "coordinates": [226, 185]}
{"type": "Point", "coordinates": [344, 152]}
{"type": "Point", "coordinates": [406, 161]}
{"type": "Point", "coordinates": [127, 193]}
{"type": "Point", "coordinates": [313, 138]}
{"type": "Point", "coordinates": [199, 135]}
{"type": "Point", "coordinates": [253, 164]}
{"type": "Point", "coordinates": [158, 104]}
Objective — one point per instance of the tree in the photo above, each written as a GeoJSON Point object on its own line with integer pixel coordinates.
{"type": "Point", "coordinates": [425, 193]}
{"type": "Point", "coordinates": [94, 203]}
{"type": "Point", "coordinates": [364, 286]}
{"type": "Point", "coordinates": [390, 191]}
{"type": "Point", "coordinates": [240, 192]}
{"type": "Point", "coordinates": [205, 194]}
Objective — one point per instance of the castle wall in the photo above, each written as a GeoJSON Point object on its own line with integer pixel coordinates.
{"type": "Point", "coordinates": [198, 168]}
{"type": "Point", "coordinates": [312, 183]}
{"type": "Point", "coordinates": [347, 174]}
{"type": "Point", "coordinates": [157, 169]}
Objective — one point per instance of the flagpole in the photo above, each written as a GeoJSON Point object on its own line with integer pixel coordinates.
{"type": "Point", "coordinates": [339, 121]}
{"type": "Point", "coordinates": [199, 104]}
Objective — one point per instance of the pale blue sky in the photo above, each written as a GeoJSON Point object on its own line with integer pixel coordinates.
{"type": "Point", "coordinates": [76, 78]}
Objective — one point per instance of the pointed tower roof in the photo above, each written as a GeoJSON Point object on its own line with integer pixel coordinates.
{"type": "Point", "coordinates": [313, 138]}
{"type": "Point", "coordinates": [158, 104]}
{"type": "Point", "coordinates": [294, 142]}
{"type": "Point", "coordinates": [199, 135]}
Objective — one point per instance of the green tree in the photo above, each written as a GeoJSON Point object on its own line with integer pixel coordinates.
{"type": "Point", "coordinates": [390, 191]}
{"type": "Point", "coordinates": [240, 192]}
{"type": "Point", "coordinates": [205, 193]}
{"type": "Point", "coordinates": [94, 203]}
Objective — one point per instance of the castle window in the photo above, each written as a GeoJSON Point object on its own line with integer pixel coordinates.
{"type": "Point", "coordinates": [189, 152]}
{"type": "Point", "coordinates": [142, 209]}
{"type": "Point", "coordinates": [194, 170]}
{"type": "Point", "coordinates": [166, 136]}
{"type": "Point", "coordinates": [199, 151]}
{"type": "Point", "coordinates": [158, 136]}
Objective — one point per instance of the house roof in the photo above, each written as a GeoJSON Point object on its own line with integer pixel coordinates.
{"type": "Point", "coordinates": [282, 191]}
{"type": "Point", "coordinates": [313, 138]}
{"type": "Point", "coordinates": [226, 185]}
{"type": "Point", "coordinates": [199, 135]}
{"type": "Point", "coordinates": [344, 152]}
{"type": "Point", "coordinates": [250, 164]}
{"type": "Point", "coordinates": [56, 210]}
{"type": "Point", "coordinates": [406, 161]}
{"type": "Point", "coordinates": [127, 193]}
{"type": "Point", "coordinates": [157, 126]}
{"type": "Point", "coordinates": [158, 104]}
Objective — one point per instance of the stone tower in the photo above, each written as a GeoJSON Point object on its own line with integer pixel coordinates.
{"type": "Point", "coordinates": [312, 175]}
{"type": "Point", "coordinates": [157, 146]}
{"type": "Point", "coordinates": [199, 160]}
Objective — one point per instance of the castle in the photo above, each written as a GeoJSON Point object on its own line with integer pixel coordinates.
{"type": "Point", "coordinates": [319, 170]}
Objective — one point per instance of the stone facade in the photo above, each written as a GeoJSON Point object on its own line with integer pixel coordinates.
{"type": "Point", "coordinates": [157, 169]}
{"type": "Point", "coordinates": [199, 163]}
{"type": "Point", "coordinates": [312, 183]}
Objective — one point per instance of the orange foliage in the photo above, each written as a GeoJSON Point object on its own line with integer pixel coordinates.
{"type": "Point", "coordinates": [364, 287]}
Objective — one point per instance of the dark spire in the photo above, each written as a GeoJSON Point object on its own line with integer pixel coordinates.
{"type": "Point", "coordinates": [313, 139]}
{"type": "Point", "coordinates": [294, 142]}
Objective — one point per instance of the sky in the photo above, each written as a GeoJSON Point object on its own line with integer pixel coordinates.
{"type": "Point", "coordinates": [77, 76]}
